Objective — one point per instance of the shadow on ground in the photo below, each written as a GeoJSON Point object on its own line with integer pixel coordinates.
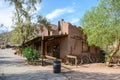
{"type": "Point", "coordinates": [5, 57]}
{"type": "Point", "coordinates": [12, 63]}
{"type": "Point", "coordinates": [69, 75]}
{"type": "Point", "coordinates": [37, 75]}
{"type": "Point", "coordinates": [73, 75]}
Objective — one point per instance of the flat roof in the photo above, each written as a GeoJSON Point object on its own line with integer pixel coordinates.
{"type": "Point", "coordinates": [46, 38]}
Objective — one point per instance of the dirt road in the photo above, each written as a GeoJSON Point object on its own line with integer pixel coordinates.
{"type": "Point", "coordinates": [13, 67]}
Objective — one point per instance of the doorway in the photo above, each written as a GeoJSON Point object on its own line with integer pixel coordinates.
{"type": "Point", "coordinates": [56, 51]}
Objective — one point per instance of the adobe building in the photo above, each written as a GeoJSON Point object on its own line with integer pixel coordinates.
{"type": "Point", "coordinates": [62, 40]}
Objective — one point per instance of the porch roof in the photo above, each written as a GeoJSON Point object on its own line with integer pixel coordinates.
{"type": "Point", "coordinates": [46, 38]}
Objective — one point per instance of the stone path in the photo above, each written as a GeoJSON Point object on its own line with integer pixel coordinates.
{"type": "Point", "coordinates": [13, 67]}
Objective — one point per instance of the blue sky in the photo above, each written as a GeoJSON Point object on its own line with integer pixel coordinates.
{"type": "Point", "coordinates": [69, 10]}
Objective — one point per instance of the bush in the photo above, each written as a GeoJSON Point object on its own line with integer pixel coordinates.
{"type": "Point", "coordinates": [102, 55]}
{"type": "Point", "coordinates": [3, 46]}
{"type": "Point", "coordinates": [107, 56]}
{"type": "Point", "coordinates": [30, 53]}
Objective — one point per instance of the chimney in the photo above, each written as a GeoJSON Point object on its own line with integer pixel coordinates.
{"type": "Point", "coordinates": [62, 21]}
{"type": "Point", "coordinates": [59, 26]}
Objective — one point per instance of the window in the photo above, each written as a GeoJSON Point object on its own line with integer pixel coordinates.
{"type": "Point", "coordinates": [85, 47]}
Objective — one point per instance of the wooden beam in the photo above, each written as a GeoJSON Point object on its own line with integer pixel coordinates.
{"type": "Point", "coordinates": [42, 49]}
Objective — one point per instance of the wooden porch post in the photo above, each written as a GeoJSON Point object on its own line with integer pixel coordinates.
{"type": "Point", "coordinates": [42, 41]}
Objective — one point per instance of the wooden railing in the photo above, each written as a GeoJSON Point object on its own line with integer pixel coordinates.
{"type": "Point", "coordinates": [82, 59]}
{"type": "Point", "coordinates": [51, 58]}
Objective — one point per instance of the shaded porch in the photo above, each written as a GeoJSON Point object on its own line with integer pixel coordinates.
{"type": "Point", "coordinates": [47, 46]}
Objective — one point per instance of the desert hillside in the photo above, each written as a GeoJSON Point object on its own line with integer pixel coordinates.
{"type": "Point", "coordinates": [4, 37]}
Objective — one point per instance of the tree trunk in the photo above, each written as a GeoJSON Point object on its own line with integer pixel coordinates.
{"type": "Point", "coordinates": [116, 49]}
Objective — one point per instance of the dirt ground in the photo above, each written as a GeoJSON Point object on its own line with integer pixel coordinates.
{"type": "Point", "coordinates": [94, 71]}
{"type": "Point", "coordinates": [97, 68]}
{"type": "Point", "coordinates": [15, 68]}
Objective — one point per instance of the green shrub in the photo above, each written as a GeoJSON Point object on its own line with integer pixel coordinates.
{"type": "Point", "coordinates": [107, 56]}
{"type": "Point", "coordinates": [3, 46]}
{"type": "Point", "coordinates": [30, 53]}
{"type": "Point", "coordinates": [102, 55]}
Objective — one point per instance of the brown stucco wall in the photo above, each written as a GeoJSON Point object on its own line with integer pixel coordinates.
{"type": "Point", "coordinates": [64, 47]}
{"type": "Point", "coordinates": [74, 44]}
{"type": "Point", "coordinates": [69, 44]}
{"type": "Point", "coordinates": [92, 50]}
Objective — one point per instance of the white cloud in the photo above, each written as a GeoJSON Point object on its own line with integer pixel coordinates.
{"type": "Point", "coordinates": [75, 20]}
{"type": "Point", "coordinates": [59, 12]}
{"type": "Point", "coordinates": [38, 7]}
{"type": "Point", "coordinates": [1, 4]}
{"type": "Point", "coordinates": [6, 13]}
